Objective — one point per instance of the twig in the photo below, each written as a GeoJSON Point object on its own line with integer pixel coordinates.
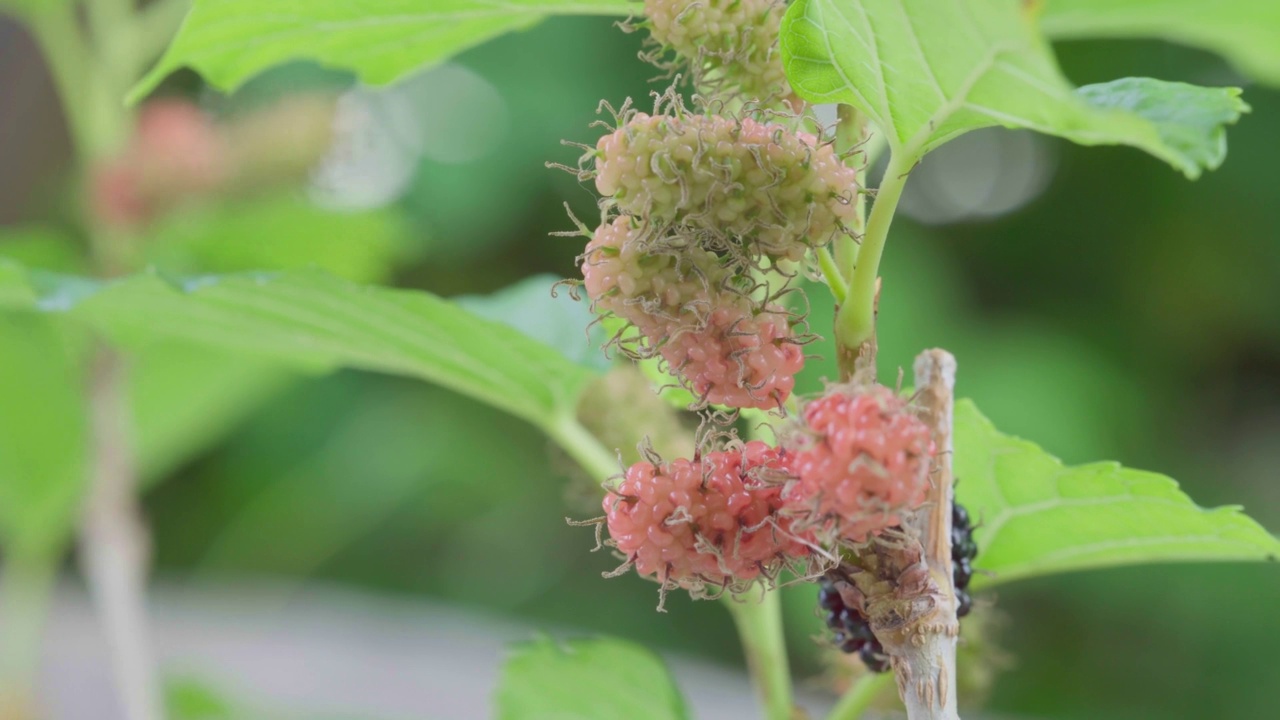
{"type": "Point", "coordinates": [935, 372]}
{"type": "Point", "coordinates": [26, 581]}
{"type": "Point", "coordinates": [925, 664]}
{"type": "Point", "coordinates": [114, 543]}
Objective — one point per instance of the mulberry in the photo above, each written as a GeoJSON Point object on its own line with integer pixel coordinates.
{"type": "Point", "coordinates": [777, 192]}
{"type": "Point", "coordinates": [852, 631]}
{"type": "Point", "coordinates": [655, 289]}
{"type": "Point", "coordinates": [730, 45]}
{"type": "Point", "coordinates": [963, 552]}
{"type": "Point", "coordinates": [176, 153]}
{"type": "Point", "coordinates": [739, 356]}
{"type": "Point", "coordinates": [710, 521]}
{"type": "Point", "coordinates": [729, 348]}
{"type": "Point", "coordinates": [861, 459]}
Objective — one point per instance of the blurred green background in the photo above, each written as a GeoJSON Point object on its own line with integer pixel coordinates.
{"type": "Point", "coordinates": [1098, 303]}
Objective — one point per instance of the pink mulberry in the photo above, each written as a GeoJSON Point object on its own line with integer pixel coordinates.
{"type": "Point", "coordinates": [729, 350]}
{"type": "Point", "coordinates": [710, 521]}
{"type": "Point", "coordinates": [777, 191]}
{"type": "Point", "coordinates": [176, 153]}
{"type": "Point", "coordinates": [739, 357]}
{"type": "Point", "coordinates": [861, 458]}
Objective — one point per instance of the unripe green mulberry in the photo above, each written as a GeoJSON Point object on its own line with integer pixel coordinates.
{"type": "Point", "coordinates": [775, 191]}
{"type": "Point", "coordinates": [731, 46]}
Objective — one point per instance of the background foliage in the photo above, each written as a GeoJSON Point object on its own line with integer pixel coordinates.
{"type": "Point", "coordinates": [1092, 317]}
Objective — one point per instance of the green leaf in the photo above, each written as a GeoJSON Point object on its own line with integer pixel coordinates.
{"type": "Point", "coordinates": [1247, 32]}
{"type": "Point", "coordinates": [1040, 517]}
{"type": "Point", "coordinates": [925, 72]}
{"type": "Point", "coordinates": [42, 247]}
{"type": "Point", "coordinates": [1190, 120]}
{"type": "Point", "coordinates": [230, 41]}
{"type": "Point", "coordinates": [310, 319]}
{"type": "Point", "coordinates": [556, 321]}
{"type": "Point", "coordinates": [190, 699]}
{"type": "Point", "coordinates": [279, 233]}
{"type": "Point", "coordinates": [586, 680]}
{"type": "Point", "coordinates": [16, 290]}
{"type": "Point", "coordinates": [29, 7]}
{"type": "Point", "coordinates": [185, 398]}
{"type": "Point", "coordinates": [43, 434]}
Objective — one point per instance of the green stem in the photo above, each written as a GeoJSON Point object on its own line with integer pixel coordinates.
{"type": "Point", "coordinates": [855, 323]}
{"type": "Point", "coordinates": [851, 129]}
{"type": "Point", "coordinates": [830, 268]}
{"type": "Point", "coordinates": [759, 623]}
{"type": "Point", "coordinates": [858, 698]}
{"type": "Point", "coordinates": [583, 447]}
{"type": "Point", "coordinates": [63, 46]}
{"type": "Point", "coordinates": [92, 66]}
{"type": "Point", "coordinates": [25, 586]}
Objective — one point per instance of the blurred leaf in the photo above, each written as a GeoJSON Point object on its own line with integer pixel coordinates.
{"type": "Point", "coordinates": [230, 41]}
{"type": "Point", "coordinates": [309, 479]}
{"type": "Point", "coordinates": [41, 247]}
{"type": "Point", "coordinates": [27, 7]}
{"type": "Point", "coordinates": [16, 290]}
{"type": "Point", "coordinates": [185, 398]}
{"type": "Point", "coordinates": [581, 679]}
{"type": "Point", "coordinates": [1247, 32]}
{"type": "Point", "coordinates": [188, 699]}
{"type": "Point", "coordinates": [926, 72]}
{"type": "Point", "coordinates": [43, 434]}
{"type": "Point", "coordinates": [278, 233]}
{"type": "Point", "coordinates": [1039, 517]}
{"type": "Point", "coordinates": [559, 322]}
{"type": "Point", "coordinates": [316, 321]}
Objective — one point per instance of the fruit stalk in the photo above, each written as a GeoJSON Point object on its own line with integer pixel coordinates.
{"type": "Point", "coordinates": [115, 544]}
{"type": "Point", "coordinates": [759, 623]}
{"type": "Point", "coordinates": [856, 319]}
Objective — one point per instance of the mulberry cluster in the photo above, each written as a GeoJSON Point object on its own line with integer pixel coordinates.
{"type": "Point", "coordinates": [862, 458]}
{"type": "Point", "coordinates": [727, 518]}
{"type": "Point", "coordinates": [686, 305]}
{"type": "Point", "coordinates": [178, 153]}
{"type": "Point", "coordinates": [731, 46]}
{"type": "Point", "coordinates": [852, 631]}
{"type": "Point", "coordinates": [963, 552]}
{"type": "Point", "coordinates": [711, 521]}
{"type": "Point", "coordinates": [774, 191]}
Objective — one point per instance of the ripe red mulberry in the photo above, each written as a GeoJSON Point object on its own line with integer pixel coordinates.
{"type": "Point", "coordinates": [712, 521]}
{"type": "Point", "coordinates": [862, 458]}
